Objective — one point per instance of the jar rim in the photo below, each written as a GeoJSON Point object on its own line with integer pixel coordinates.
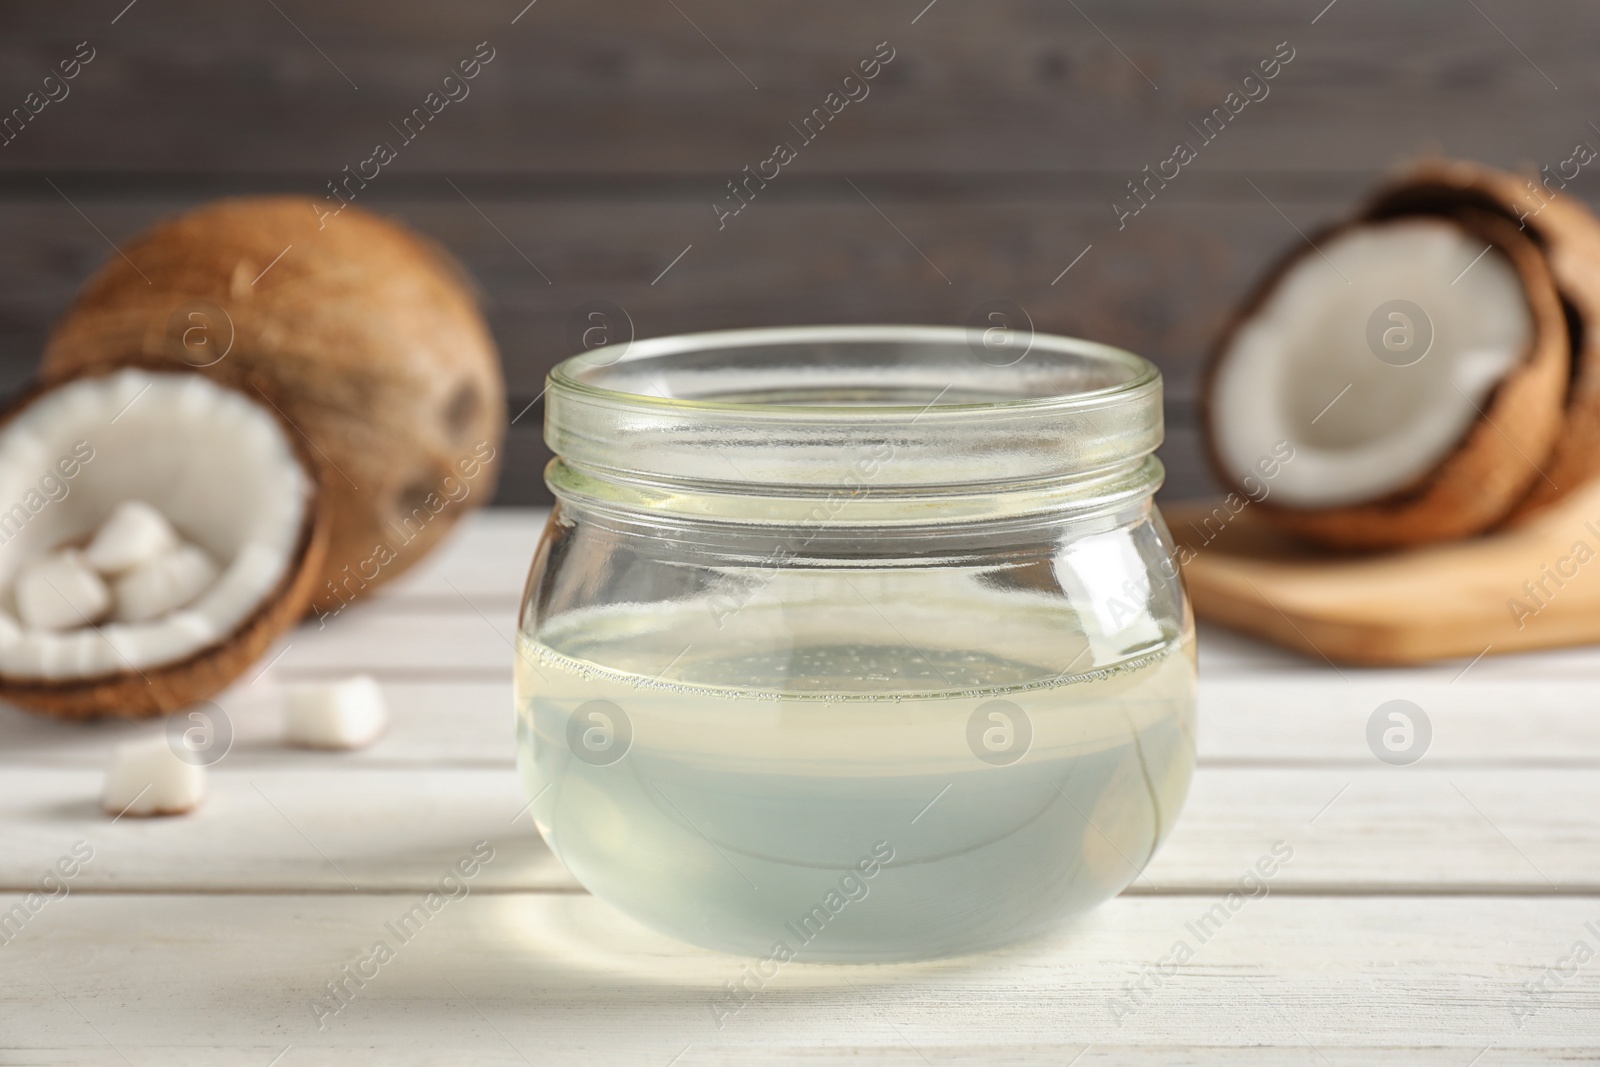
{"type": "Point", "coordinates": [575, 372]}
{"type": "Point", "coordinates": [913, 414]}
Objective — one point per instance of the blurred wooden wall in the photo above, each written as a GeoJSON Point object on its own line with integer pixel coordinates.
{"type": "Point", "coordinates": [590, 151]}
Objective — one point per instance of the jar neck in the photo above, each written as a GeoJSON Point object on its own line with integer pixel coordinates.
{"type": "Point", "coordinates": [864, 503]}
{"type": "Point", "coordinates": [862, 426]}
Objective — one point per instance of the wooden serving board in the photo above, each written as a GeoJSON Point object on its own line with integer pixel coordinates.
{"type": "Point", "coordinates": [1534, 586]}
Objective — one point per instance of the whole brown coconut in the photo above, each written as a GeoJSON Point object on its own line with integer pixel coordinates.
{"type": "Point", "coordinates": [361, 333]}
{"type": "Point", "coordinates": [1569, 236]}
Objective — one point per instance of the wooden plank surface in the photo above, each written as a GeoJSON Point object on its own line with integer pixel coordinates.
{"type": "Point", "coordinates": [1012, 85]}
{"type": "Point", "coordinates": [1299, 718]}
{"type": "Point", "coordinates": [590, 150]}
{"type": "Point", "coordinates": [1419, 902]}
{"type": "Point", "coordinates": [542, 978]}
{"type": "Point", "coordinates": [265, 826]}
{"type": "Point", "coordinates": [1161, 290]}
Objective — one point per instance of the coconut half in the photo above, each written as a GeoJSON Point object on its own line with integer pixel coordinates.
{"type": "Point", "coordinates": [1568, 235]}
{"type": "Point", "coordinates": [232, 480]}
{"type": "Point", "coordinates": [1414, 369]}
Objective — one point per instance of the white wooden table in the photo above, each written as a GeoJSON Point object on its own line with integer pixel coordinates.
{"type": "Point", "coordinates": [1418, 905]}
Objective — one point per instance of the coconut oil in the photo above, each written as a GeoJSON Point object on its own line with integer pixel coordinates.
{"type": "Point", "coordinates": [855, 642]}
{"type": "Point", "coordinates": [839, 785]}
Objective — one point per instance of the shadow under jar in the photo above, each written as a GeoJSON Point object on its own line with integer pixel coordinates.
{"type": "Point", "coordinates": [843, 644]}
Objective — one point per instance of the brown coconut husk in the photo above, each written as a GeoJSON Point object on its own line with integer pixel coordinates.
{"type": "Point", "coordinates": [1568, 235]}
{"type": "Point", "coordinates": [362, 334]}
{"type": "Point", "coordinates": [136, 694]}
{"type": "Point", "coordinates": [1493, 467]}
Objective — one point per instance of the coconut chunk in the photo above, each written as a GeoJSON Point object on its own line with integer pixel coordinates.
{"type": "Point", "coordinates": [132, 534]}
{"type": "Point", "coordinates": [148, 778]}
{"type": "Point", "coordinates": [169, 581]}
{"type": "Point", "coordinates": [340, 715]}
{"type": "Point", "coordinates": [60, 592]}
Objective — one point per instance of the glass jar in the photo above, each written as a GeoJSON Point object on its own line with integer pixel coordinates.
{"type": "Point", "coordinates": [843, 643]}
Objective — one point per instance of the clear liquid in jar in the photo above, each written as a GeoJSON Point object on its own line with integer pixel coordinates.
{"type": "Point", "coordinates": [796, 788]}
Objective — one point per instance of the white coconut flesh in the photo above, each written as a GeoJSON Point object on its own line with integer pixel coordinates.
{"type": "Point", "coordinates": [1301, 370]}
{"type": "Point", "coordinates": [215, 463]}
